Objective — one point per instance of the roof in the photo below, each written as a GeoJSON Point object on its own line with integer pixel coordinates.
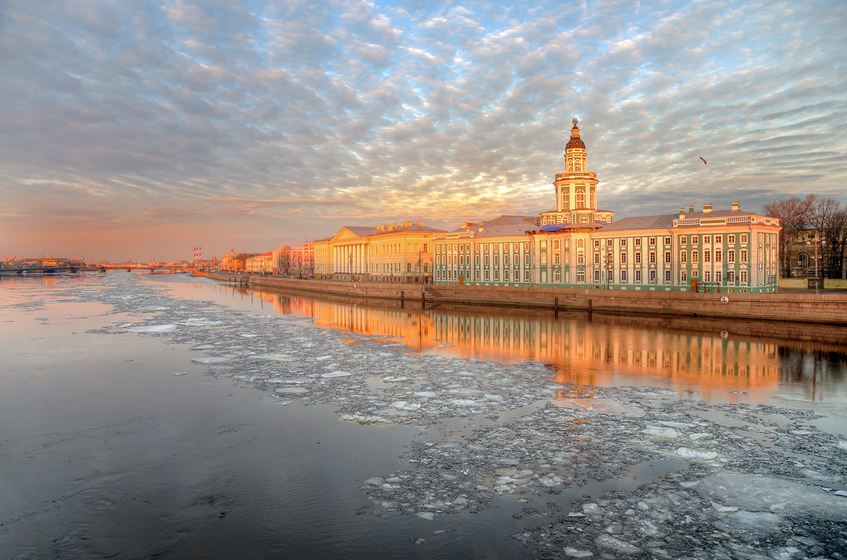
{"type": "Point", "coordinates": [412, 228]}
{"type": "Point", "coordinates": [361, 230]}
{"type": "Point", "coordinates": [641, 222]}
{"type": "Point", "coordinates": [718, 214]}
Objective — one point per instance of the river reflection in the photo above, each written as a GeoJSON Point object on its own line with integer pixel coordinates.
{"type": "Point", "coordinates": [699, 358]}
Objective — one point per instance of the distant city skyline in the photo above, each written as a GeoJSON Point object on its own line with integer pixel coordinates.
{"type": "Point", "coordinates": [139, 130]}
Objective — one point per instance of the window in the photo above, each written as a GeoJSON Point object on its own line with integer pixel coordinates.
{"type": "Point", "coordinates": [638, 257]}
{"type": "Point", "coordinates": [424, 248]}
{"type": "Point", "coordinates": [743, 275]}
{"type": "Point", "coordinates": [596, 243]}
{"type": "Point", "coordinates": [623, 242]}
{"type": "Point", "coordinates": [555, 258]}
{"type": "Point", "coordinates": [718, 276]}
{"type": "Point", "coordinates": [608, 243]}
{"type": "Point", "coordinates": [580, 276]}
{"type": "Point", "coordinates": [707, 256]}
{"type": "Point", "coordinates": [695, 256]}
{"type": "Point", "coordinates": [707, 276]}
{"type": "Point", "coordinates": [526, 276]}
{"type": "Point", "coordinates": [730, 276]}
{"type": "Point", "coordinates": [652, 257]}
{"type": "Point", "coordinates": [623, 258]}
{"type": "Point", "coordinates": [667, 277]}
{"type": "Point", "coordinates": [683, 277]}
{"type": "Point", "coordinates": [694, 240]}
{"type": "Point", "coordinates": [580, 259]}
{"type": "Point", "coordinates": [707, 239]}
{"type": "Point", "coordinates": [743, 240]}
{"type": "Point", "coordinates": [652, 241]}
{"type": "Point", "coordinates": [486, 275]}
{"type": "Point", "coordinates": [730, 256]}
{"type": "Point", "coordinates": [506, 275]}
{"type": "Point", "coordinates": [580, 198]}
{"type": "Point", "coordinates": [652, 276]}
{"type": "Point", "coordinates": [667, 240]}
{"type": "Point", "coordinates": [638, 277]}
{"type": "Point", "coordinates": [743, 255]}
{"type": "Point", "coordinates": [683, 240]}
{"type": "Point", "coordinates": [717, 255]}
{"type": "Point", "coordinates": [718, 239]}
{"type": "Point", "coordinates": [596, 258]}
{"type": "Point", "coordinates": [667, 257]}
{"type": "Point", "coordinates": [638, 242]}
{"type": "Point", "coordinates": [556, 276]}
{"type": "Point", "coordinates": [555, 243]}
{"type": "Point", "coordinates": [683, 256]}
{"type": "Point", "coordinates": [408, 267]}
{"type": "Point", "coordinates": [623, 276]}
{"type": "Point", "coordinates": [596, 275]}
{"type": "Point", "coordinates": [730, 239]}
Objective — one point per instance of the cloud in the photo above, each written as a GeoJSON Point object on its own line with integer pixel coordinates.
{"type": "Point", "coordinates": [275, 121]}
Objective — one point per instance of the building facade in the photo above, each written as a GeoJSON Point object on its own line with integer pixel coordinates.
{"type": "Point", "coordinates": [385, 253]}
{"type": "Point", "coordinates": [259, 264]}
{"type": "Point", "coordinates": [579, 246]}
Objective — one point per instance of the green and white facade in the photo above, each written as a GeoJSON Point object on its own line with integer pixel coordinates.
{"type": "Point", "coordinates": [710, 250]}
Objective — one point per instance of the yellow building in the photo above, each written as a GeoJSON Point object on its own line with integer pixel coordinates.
{"type": "Point", "coordinates": [259, 264]}
{"type": "Point", "coordinates": [386, 253]}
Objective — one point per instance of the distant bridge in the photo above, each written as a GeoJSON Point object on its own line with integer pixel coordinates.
{"type": "Point", "coordinates": [59, 269]}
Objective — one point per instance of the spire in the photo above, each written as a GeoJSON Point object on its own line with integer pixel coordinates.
{"type": "Point", "coordinates": [575, 141]}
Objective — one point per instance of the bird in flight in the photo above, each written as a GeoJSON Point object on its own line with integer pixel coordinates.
{"type": "Point", "coordinates": [703, 160]}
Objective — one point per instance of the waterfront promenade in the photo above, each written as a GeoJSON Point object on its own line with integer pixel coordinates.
{"type": "Point", "coordinates": [792, 307]}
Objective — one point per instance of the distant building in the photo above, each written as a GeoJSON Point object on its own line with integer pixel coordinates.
{"type": "Point", "coordinates": [234, 262]}
{"type": "Point", "coordinates": [259, 264]}
{"type": "Point", "coordinates": [578, 245]}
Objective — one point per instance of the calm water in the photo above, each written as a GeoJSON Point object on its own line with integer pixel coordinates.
{"type": "Point", "coordinates": [105, 453]}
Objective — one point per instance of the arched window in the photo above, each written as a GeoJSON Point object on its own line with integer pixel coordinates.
{"type": "Point", "coordinates": [580, 198]}
{"type": "Point", "coordinates": [593, 198]}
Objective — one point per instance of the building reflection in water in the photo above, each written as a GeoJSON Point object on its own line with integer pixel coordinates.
{"type": "Point", "coordinates": [694, 356]}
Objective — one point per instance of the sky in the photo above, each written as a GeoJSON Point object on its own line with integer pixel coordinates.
{"type": "Point", "coordinates": [134, 129]}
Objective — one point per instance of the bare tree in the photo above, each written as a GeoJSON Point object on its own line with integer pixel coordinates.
{"type": "Point", "coordinates": [793, 214]}
{"type": "Point", "coordinates": [830, 219]}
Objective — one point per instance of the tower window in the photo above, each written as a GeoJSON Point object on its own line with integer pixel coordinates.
{"type": "Point", "coordinates": [580, 198]}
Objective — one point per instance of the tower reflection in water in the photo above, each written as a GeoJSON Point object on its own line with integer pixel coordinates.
{"type": "Point", "coordinates": [693, 356]}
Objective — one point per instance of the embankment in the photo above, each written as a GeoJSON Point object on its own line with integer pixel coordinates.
{"type": "Point", "coordinates": [805, 308]}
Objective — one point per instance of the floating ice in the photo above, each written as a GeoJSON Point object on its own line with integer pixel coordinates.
{"type": "Point", "coordinates": [154, 329]}
{"type": "Point", "coordinates": [616, 545]}
{"type": "Point", "coordinates": [766, 493]}
{"type": "Point", "coordinates": [676, 424]}
{"type": "Point", "coordinates": [658, 431]}
{"type": "Point", "coordinates": [842, 445]}
{"type": "Point", "coordinates": [428, 515]}
{"type": "Point", "coordinates": [571, 552]}
{"type": "Point", "coordinates": [179, 373]}
{"type": "Point", "coordinates": [277, 357]}
{"type": "Point", "coordinates": [209, 360]}
{"type": "Point", "coordinates": [334, 374]}
{"type": "Point", "coordinates": [425, 394]}
{"type": "Point", "coordinates": [404, 405]}
{"type": "Point", "coordinates": [694, 454]}
{"type": "Point", "coordinates": [699, 435]}
{"type": "Point", "coordinates": [463, 402]}
{"type": "Point", "coordinates": [365, 419]}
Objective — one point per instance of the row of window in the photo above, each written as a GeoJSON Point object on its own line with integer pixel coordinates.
{"type": "Point", "coordinates": [609, 276]}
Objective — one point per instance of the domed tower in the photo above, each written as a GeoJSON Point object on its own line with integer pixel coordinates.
{"type": "Point", "coordinates": [576, 187]}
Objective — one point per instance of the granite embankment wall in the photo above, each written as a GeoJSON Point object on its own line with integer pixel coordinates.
{"type": "Point", "coordinates": [808, 308]}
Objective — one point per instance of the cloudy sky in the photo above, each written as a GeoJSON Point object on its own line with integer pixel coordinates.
{"type": "Point", "coordinates": [139, 129]}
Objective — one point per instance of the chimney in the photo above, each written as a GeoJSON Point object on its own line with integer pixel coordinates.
{"type": "Point", "coordinates": [735, 206]}
{"type": "Point", "coordinates": [690, 208]}
{"type": "Point", "coordinates": [707, 207]}
{"type": "Point", "coordinates": [681, 213]}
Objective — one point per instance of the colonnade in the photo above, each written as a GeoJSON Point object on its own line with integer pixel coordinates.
{"type": "Point", "coordinates": [350, 259]}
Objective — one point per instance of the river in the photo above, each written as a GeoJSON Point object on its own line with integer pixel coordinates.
{"type": "Point", "coordinates": [164, 416]}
